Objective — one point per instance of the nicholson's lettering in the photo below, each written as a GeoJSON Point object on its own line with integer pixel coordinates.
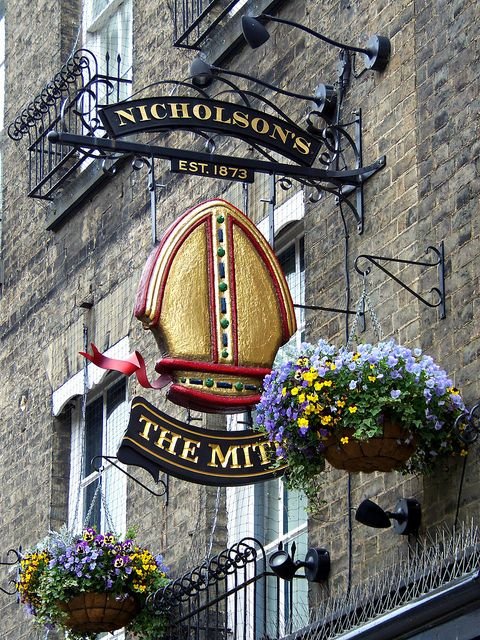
{"type": "Point", "coordinates": [189, 113]}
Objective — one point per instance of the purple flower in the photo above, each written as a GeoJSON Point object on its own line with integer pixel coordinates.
{"type": "Point", "coordinates": [395, 393]}
{"type": "Point", "coordinates": [82, 546]}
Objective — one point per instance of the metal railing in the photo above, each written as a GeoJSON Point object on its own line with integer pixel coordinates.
{"type": "Point", "coordinates": [68, 103]}
{"type": "Point", "coordinates": [195, 19]}
{"type": "Point", "coordinates": [231, 596]}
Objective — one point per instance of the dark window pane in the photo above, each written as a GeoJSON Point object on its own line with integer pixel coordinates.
{"type": "Point", "coordinates": [287, 260]}
{"type": "Point", "coordinates": [91, 509]}
{"type": "Point", "coordinates": [93, 434]}
{"type": "Point", "coordinates": [115, 396]}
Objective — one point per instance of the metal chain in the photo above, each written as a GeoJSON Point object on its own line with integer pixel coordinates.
{"type": "Point", "coordinates": [86, 522]}
{"type": "Point", "coordinates": [82, 427]}
{"type": "Point", "coordinates": [108, 515]}
{"type": "Point", "coordinates": [364, 305]}
{"type": "Point", "coordinates": [106, 510]}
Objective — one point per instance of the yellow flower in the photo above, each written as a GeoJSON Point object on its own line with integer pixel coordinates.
{"type": "Point", "coordinates": [463, 453]}
{"type": "Point", "coordinates": [302, 422]}
{"type": "Point", "coordinates": [302, 362]}
{"type": "Point", "coordinates": [453, 390]}
{"type": "Point", "coordinates": [340, 403]}
{"type": "Point", "coordinates": [327, 383]}
{"type": "Point", "coordinates": [333, 366]}
{"type": "Point", "coordinates": [312, 397]}
{"type": "Point", "coordinates": [284, 391]}
{"type": "Point", "coordinates": [310, 376]}
{"type": "Point", "coordinates": [353, 409]}
{"type": "Point", "coordinates": [344, 440]}
{"type": "Point", "coordinates": [318, 386]}
{"type": "Point", "coordinates": [372, 378]}
{"type": "Point", "coordinates": [355, 356]}
{"type": "Point", "coordinates": [326, 419]}
{"type": "Point", "coordinates": [294, 391]}
{"type": "Point", "coordinates": [301, 397]}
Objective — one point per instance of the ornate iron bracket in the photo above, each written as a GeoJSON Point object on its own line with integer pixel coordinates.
{"type": "Point", "coordinates": [468, 425]}
{"type": "Point", "coordinates": [9, 563]}
{"type": "Point", "coordinates": [438, 262]}
{"type": "Point", "coordinates": [113, 461]}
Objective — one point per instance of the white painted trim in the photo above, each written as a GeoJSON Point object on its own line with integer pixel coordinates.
{"type": "Point", "coordinates": [291, 210]}
{"type": "Point", "coordinates": [74, 386]}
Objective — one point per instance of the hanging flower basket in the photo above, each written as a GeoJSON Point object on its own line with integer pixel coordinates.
{"type": "Point", "coordinates": [91, 584]}
{"type": "Point", "coordinates": [380, 407]}
{"type": "Point", "coordinates": [386, 452]}
{"type": "Point", "coordinates": [99, 612]}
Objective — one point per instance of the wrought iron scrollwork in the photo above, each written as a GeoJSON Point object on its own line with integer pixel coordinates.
{"type": "Point", "coordinates": [10, 563]}
{"type": "Point", "coordinates": [467, 425]}
{"type": "Point", "coordinates": [437, 261]}
{"type": "Point", "coordinates": [68, 103]}
{"type": "Point", "coordinates": [210, 573]}
{"type": "Point", "coordinates": [82, 65]}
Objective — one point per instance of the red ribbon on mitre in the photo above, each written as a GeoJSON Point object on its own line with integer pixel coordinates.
{"type": "Point", "coordinates": [133, 364]}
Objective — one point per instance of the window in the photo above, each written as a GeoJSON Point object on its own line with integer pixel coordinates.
{"type": "Point", "coordinates": [267, 511]}
{"type": "Point", "coordinates": [108, 30]}
{"type": "Point", "coordinates": [98, 498]}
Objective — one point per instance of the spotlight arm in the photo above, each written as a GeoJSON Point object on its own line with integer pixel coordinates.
{"type": "Point", "coordinates": [376, 53]}
{"type": "Point", "coordinates": [284, 92]}
{"type": "Point", "coordinates": [320, 36]}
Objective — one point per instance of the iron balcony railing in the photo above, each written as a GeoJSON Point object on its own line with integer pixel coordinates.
{"type": "Point", "coordinates": [68, 103]}
{"type": "Point", "coordinates": [231, 596]}
{"type": "Point", "coordinates": [194, 20]}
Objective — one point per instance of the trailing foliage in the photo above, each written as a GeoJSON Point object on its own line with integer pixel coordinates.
{"type": "Point", "coordinates": [63, 566]}
{"type": "Point", "coordinates": [324, 391]}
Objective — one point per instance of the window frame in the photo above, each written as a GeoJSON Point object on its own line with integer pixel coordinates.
{"type": "Point", "coordinates": [79, 481]}
{"type": "Point", "coordinates": [94, 31]}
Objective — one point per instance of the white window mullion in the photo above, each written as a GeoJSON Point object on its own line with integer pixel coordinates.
{"type": "Point", "coordinates": [83, 481]}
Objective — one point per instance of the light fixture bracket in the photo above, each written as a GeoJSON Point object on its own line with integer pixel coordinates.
{"type": "Point", "coordinates": [406, 516]}
{"type": "Point", "coordinates": [316, 564]}
{"type": "Point", "coordinates": [376, 53]}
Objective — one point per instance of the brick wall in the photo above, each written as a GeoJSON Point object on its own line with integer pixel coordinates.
{"type": "Point", "coordinates": [421, 113]}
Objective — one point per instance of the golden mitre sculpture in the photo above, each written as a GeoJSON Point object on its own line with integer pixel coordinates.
{"type": "Point", "coordinates": [217, 302]}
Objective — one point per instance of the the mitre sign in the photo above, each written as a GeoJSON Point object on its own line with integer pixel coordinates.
{"type": "Point", "coordinates": [216, 300]}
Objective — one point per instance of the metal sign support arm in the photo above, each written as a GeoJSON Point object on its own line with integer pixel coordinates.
{"type": "Point", "coordinates": [352, 177]}
{"type": "Point", "coordinates": [439, 262]}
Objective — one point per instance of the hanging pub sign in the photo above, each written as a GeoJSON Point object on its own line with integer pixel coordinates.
{"type": "Point", "coordinates": [217, 303]}
{"type": "Point", "coordinates": [187, 113]}
{"type": "Point", "coordinates": [159, 443]}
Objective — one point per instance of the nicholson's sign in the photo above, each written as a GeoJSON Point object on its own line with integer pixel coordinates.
{"type": "Point", "coordinates": [169, 113]}
{"type": "Point", "coordinates": [157, 442]}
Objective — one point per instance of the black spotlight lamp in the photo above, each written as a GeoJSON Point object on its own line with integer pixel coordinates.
{"type": "Point", "coordinates": [406, 517]}
{"type": "Point", "coordinates": [202, 75]}
{"type": "Point", "coordinates": [316, 565]}
{"type": "Point", "coordinates": [376, 53]}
